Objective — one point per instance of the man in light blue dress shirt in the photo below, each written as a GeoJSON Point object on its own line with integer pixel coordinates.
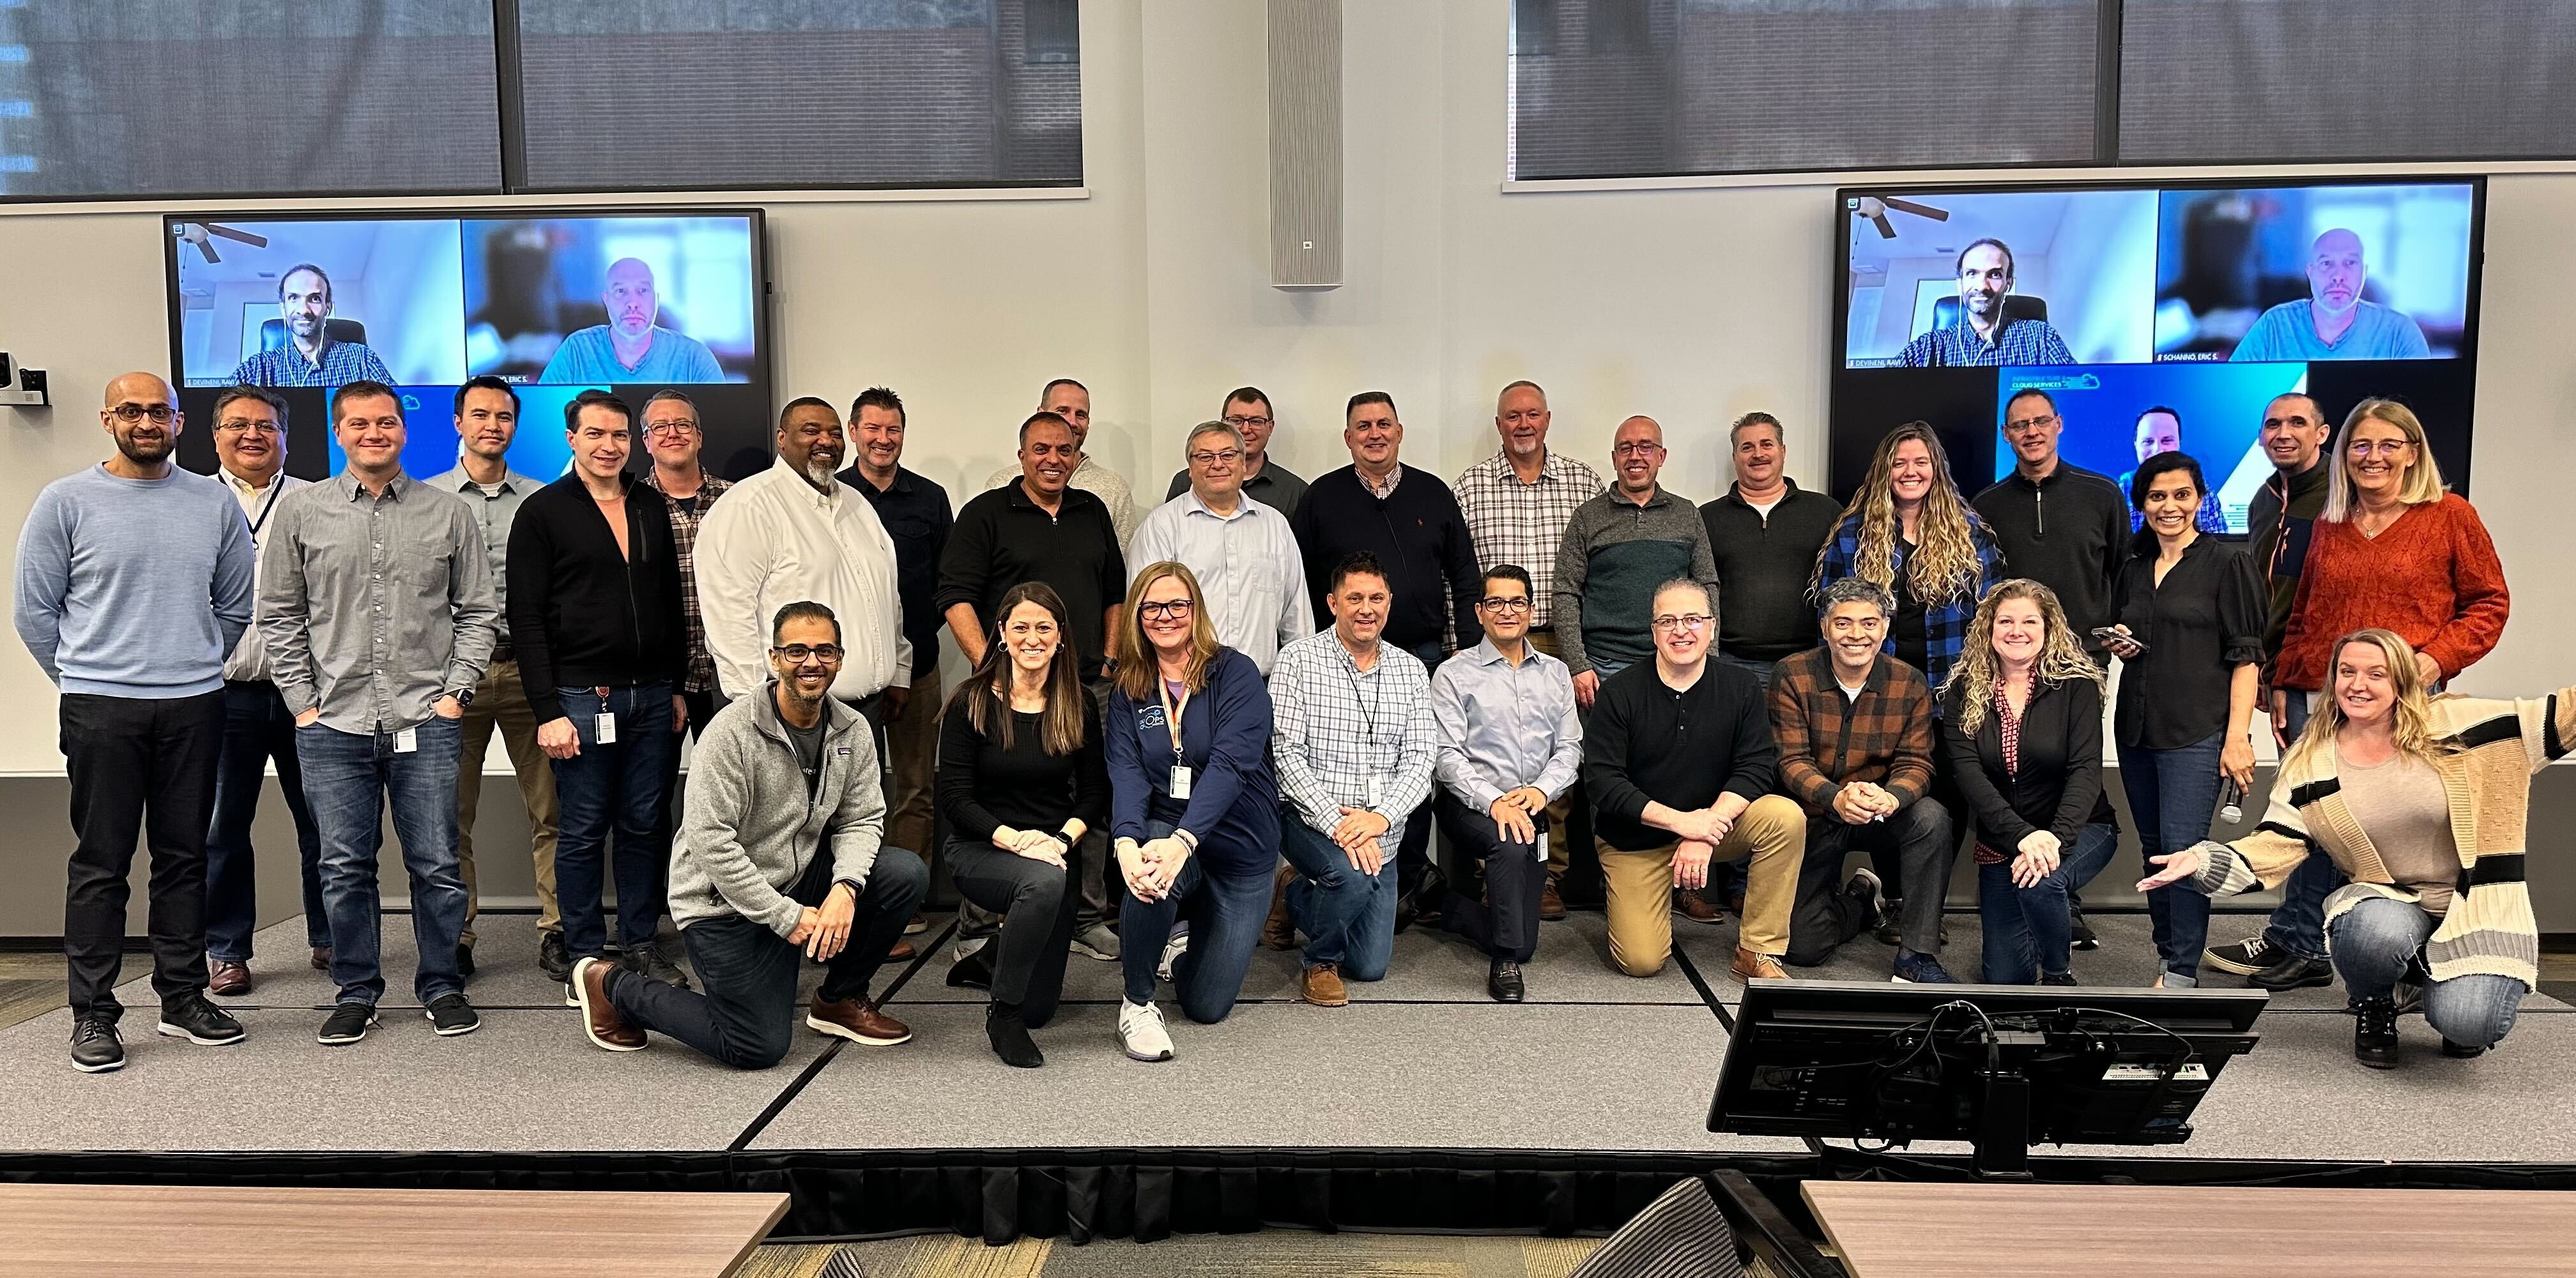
{"type": "Point", "coordinates": [1241, 551]}
{"type": "Point", "coordinates": [630, 347]}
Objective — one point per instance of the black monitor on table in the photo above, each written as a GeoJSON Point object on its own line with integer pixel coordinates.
{"type": "Point", "coordinates": [2002, 1066]}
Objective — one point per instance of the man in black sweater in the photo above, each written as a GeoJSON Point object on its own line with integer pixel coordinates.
{"type": "Point", "coordinates": [1680, 767]}
{"type": "Point", "coordinates": [1765, 533]}
{"type": "Point", "coordinates": [1405, 517]}
{"type": "Point", "coordinates": [2058, 524]}
{"type": "Point", "coordinates": [603, 646]}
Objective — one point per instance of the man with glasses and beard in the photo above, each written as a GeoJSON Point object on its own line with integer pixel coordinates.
{"type": "Point", "coordinates": [134, 582]}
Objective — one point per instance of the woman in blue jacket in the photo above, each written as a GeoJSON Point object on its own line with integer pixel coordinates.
{"type": "Point", "coordinates": [1197, 826]}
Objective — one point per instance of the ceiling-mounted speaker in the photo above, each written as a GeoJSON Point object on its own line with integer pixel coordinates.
{"type": "Point", "coordinates": [1306, 143]}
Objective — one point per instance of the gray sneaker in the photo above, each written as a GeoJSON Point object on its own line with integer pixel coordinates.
{"type": "Point", "coordinates": [1097, 941]}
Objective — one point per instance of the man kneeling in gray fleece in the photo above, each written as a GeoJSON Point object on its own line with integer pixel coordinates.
{"type": "Point", "coordinates": [779, 858]}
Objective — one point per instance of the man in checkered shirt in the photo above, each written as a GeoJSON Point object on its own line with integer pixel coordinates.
{"type": "Point", "coordinates": [1353, 740]}
{"type": "Point", "coordinates": [1517, 503]}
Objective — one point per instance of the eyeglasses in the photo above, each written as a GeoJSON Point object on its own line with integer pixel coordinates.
{"type": "Point", "coordinates": [1240, 422]}
{"type": "Point", "coordinates": [1689, 623]}
{"type": "Point", "coordinates": [799, 654]}
{"type": "Point", "coordinates": [1161, 608]}
{"type": "Point", "coordinates": [1229, 456]}
{"type": "Point", "coordinates": [2032, 423]}
{"type": "Point", "coordinates": [664, 430]}
{"type": "Point", "coordinates": [245, 426]}
{"type": "Point", "coordinates": [1504, 603]}
{"type": "Point", "coordinates": [2383, 447]}
{"type": "Point", "coordinates": [1637, 448]}
{"type": "Point", "coordinates": [130, 413]}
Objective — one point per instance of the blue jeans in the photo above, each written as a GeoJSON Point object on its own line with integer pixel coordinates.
{"type": "Point", "coordinates": [2027, 933]}
{"type": "Point", "coordinates": [1223, 912]}
{"type": "Point", "coordinates": [1348, 917]}
{"type": "Point", "coordinates": [616, 786]}
{"type": "Point", "coordinates": [348, 778]}
{"type": "Point", "coordinates": [257, 728]}
{"type": "Point", "coordinates": [2377, 938]}
{"type": "Point", "coordinates": [2299, 922]}
{"type": "Point", "coordinates": [2173, 794]}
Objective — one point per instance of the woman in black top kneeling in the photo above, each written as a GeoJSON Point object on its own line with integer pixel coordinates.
{"type": "Point", "coordinates": [1021, 778]}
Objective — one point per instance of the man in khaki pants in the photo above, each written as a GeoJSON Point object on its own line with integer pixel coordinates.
{"type": "Point", "coordinates": [1679, 762]}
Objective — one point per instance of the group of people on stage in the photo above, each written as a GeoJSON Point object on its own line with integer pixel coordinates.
{"type": "Point", "coordinates": [1236, 718]}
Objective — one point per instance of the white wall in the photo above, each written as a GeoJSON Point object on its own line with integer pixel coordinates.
{"type": "Point", "coordinates": [1691, 305]}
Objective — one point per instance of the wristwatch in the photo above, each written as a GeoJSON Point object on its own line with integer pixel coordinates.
{"type": "Point", "coordinates": [464, 698]}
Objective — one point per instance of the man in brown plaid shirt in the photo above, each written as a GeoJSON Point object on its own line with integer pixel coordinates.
{"type": "Point", "coordinates": [1854, 729]}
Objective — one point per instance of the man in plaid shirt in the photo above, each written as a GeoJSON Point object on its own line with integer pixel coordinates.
{"type": "Point", "coordinates": [1517, 503]}
{"type": "Point", "coordinates": [673, 434]}
{"type": "Point", "coordinates": [1854, 728]}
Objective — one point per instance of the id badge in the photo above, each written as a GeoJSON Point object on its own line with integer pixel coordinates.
{"type": "Point", "coordinates": [605, 726]}
{"type": "Point", "coordinates": [1542, 845]}
{"type": "Point", "coordinates": [1180, 782]}
{"type": "Point", "coordinates": [1373, 791]}
{"type": "Point", "coordinates": [407, 741]}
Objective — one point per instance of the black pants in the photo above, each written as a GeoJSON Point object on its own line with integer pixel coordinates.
{"type": "Point", "coordinates": [1505, 923]}
{"type": "Point", "coordinates": [1919, 838]}
{"type": "Point", "coordinates": [1038, 904]}
{"type": "Point", "coordinates": [138, 768]}
{"type": "Point", "coordinates": [747, 1016]}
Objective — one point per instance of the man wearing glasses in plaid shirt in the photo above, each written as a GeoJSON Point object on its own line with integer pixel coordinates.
{"type": "Point", "coordinates": [1517, 503]}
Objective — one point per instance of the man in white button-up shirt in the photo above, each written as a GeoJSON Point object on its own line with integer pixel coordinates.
{"type": "Point", "coordinates": [1245, 558]}
{"type": "Point", "coordinates": [795, 532]}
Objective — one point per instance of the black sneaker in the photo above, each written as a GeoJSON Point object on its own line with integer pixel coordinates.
{"type": "Point", "coordinates": [1889, 932]}
{"type": "Point", "coordinates": [2292, 972]}
{"type": "Point", "coordinates": [2461, 1051]}
{"type": "Point", "coordinates": [451, 1015]}
{"type": "Point", "coordinates": [2057, 978]}
{"type": "Point", "coordinates": [2244, 958]}
{"type": "Point", "coordinates": [347, 1024]}
{"type": "Point", "coordinates": [2374, 1032]}
{"type": "Point", "coordinates": [464, 962]}
{"type": "Point", "coordinates": [96, 1049]}
{"type": "Point", "coordinates": [552, 958]}
{"type": "Point", "coordinates": [1868, 897]}
{"type": "Point", "coordinates": [2079, 934]}
{"type": "Point", "coordinates": [650, 961]}
{"type": "Point", "coordinates": [193, 1018]}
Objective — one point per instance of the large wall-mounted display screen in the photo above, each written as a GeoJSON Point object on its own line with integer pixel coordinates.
{"type": "Point", "coordinates": [2155, 317]}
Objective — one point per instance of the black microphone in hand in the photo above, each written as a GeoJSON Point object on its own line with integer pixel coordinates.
{"type": "Point", "coordinates": [2231, 801]}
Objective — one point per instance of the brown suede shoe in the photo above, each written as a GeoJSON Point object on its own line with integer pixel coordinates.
{"type": "Point", "coordinates": [1279, 932]}
{"type": "Point", "coordinates": [1551, 906]}
{"type": "Point", "coordinates": [856, 1020]}
{"type": "Point", "coordinates": [1321, 985]}
{"type": "Point", "coordinates": [227, 978]}
{"type": "Point", "coordinates": [902, 950]}
{"type": "Point", "coordinates": [1751, 966]}
{"type": "Point", "coordinates": [321, 958]}
{"type": "Point", "coordinates": [599, 1018]}
{"type": "Point", "coordinates": [1695, 907]}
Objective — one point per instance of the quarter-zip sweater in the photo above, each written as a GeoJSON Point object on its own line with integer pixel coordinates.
{"type": "Point", "coordinates": [1763, 563]}
{"type": "Point", "coordinates": [2068, 532]}
{"type": "Point", "coordinates": [582, 615]}
{"type": "Point", "coordinates": [1417, 532]}
{"type": "Point", "coordinates": [1616, 551]}
{"type": "Point", "coordinates": [750, 825]}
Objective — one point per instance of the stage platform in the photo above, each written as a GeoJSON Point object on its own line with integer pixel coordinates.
{"type": "Point", "coordinates": [1596, 1061]}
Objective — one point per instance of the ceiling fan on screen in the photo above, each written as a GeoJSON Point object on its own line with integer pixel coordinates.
{"type": "Point", "coordinates": [1875, 208]}
{"type": "Point", "coordinates": [202, 234]}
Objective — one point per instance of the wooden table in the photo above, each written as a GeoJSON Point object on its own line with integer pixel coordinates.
{"type": "Point", "coordinates": [99, 1230]}
{"type": "Point", "coordinates": [2143, 1231]}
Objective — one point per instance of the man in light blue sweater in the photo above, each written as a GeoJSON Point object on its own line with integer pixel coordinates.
{"type": "Point", "coordinates": [134, 583]}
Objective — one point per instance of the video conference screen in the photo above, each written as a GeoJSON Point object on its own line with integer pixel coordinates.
{"type": "Point", "coordinates": [553, 302]}
{"type": "Point", "coordinates": [2156, 318]}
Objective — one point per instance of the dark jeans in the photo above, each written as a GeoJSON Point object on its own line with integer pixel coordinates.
{"type": "Point", "coordinates": [1037, 906]}
{"type": "Point", "coordinates": [348, 779]}
{"type": "Point", "coordinates": [746, 1018]}
{"type": "Point", "coordinates": [1924, 841]}
{"type": "Point", "coordinates": [1223, 912]}
{"type": "Point", "coordinates": [1505, 923]}
{"type": "Point", "coordinates": [2173, 794]}
{"type": "Point", "coordinates": [140, 769]}
{"type": "Point", "coordinates": [2027, 931]}
{"type": "Point", "coordinates": [1348, 917]}
{"type": "Point", "coordinates": [612, 787]}
{"type": "Point", "coordinates": [2378, 938]}
{"type": "Point", "coordinates": [1413, 848]}
{"type": "Point", "coordinates": [257, 728]}
{"type": "Point", "coordinates": [2299, 922]}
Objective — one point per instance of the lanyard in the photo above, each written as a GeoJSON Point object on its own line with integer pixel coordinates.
{"type": "Point", "coordinates": [275, 486]}
{"type": "Point", "coordinates": [1351, 671]}
{"type": "Point", "coordinates": [1172, 711]}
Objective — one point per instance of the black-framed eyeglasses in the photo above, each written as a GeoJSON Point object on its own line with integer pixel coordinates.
{"type": "Point", "coordinates": [132, 413]}
{"type": "Point", "coordinates": [799, 653]}
{"type": "Point", "coordinates": [1504, 603]}
{"type": "Point", "coordinates": [1688, 623]}
{"type": "Point", "coordinates": [661, 429]}
{"type": "Point", "coordinates": [1240, 422]}
{"type": "Point", "coordinates": [1229, 456]}
{"type": "Point", "coordinates": [1164, 608]}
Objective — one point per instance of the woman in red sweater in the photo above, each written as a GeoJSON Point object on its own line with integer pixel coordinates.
{"type": "Point", "coordinates": [2393, 550]}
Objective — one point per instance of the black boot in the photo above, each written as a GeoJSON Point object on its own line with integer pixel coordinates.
{"type": "Point", "coordinates": [2374, 1032]}
{"type": "Point", "coordinates": [975, 971]}
{"type": "Point", "coordinates": [1010, 1036]}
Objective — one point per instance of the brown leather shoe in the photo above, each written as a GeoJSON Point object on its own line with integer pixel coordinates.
{"type": "Point", "coordinates": [1695, 907]}
{"type": "Point", "coordinates": [856, 1020]}
{"type": "Point", "coordinates": [1551, 906]}
{"type": "Point", "coordinates": [1279, 932]}
{"type": "Point", "coordinates": [902, 950]}
{"type": "Point", "coordinates": [321, 958]}
{"type": "Point", "coordinates": [227, 978]}
{"type": "Point", "coordinates": [1322, 986]}
{"type": "Point", "coordinates": [1751, 966]}
{"type": "Point", "coordinates": [599, 1018]}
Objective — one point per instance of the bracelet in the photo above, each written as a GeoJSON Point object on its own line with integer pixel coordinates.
{"type": "Point", "coordinates": [1186, 839]}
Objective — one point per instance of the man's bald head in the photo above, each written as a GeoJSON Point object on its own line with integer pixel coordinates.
{"type": "Point", "coordinates": [630, 297]}
{"type": "Point", "coordinates": [142, 388]}
{"type": "Point", "coordinates": [2336, 270]}
{"type": "Point", "coordinates": [1637, 455]}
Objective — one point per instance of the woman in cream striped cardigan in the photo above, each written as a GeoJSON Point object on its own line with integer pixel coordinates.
{"type": "Point", "coordinates": [2421, 801]}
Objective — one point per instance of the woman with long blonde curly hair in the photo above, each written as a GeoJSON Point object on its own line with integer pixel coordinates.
{"type": "Point", "coordinates": [1910, 533]}
{"type": "Point", "coordinates": [2022, 738]}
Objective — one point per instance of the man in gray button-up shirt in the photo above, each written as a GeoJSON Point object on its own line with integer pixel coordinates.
{"type": "Point", "coordinates": [375, 599]}
{"type": "Point", "coordinates": [1510, 744]}
{"type": "Point", "coordinates": [487, 420]}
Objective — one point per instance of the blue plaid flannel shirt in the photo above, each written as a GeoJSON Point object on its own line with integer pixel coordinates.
{"type": "Point", "coordinates": [1945, 624]}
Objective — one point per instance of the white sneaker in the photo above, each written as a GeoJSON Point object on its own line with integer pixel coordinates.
{"type": "Point", "coordinates": [1173, 949]}
{"type": "Point", "coordinates": [1140, 1031]}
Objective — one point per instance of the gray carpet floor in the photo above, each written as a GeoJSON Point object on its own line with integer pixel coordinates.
{"type": "Point", "coordinates": [1599, 1061]}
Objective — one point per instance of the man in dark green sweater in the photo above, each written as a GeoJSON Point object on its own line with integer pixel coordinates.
{"type": "Point", "coordinates": [1618, 547]}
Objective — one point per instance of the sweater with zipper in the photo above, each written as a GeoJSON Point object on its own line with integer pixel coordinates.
{"type": "Point", "coordinates": [1416, 532]}
{"type": "Point", "coordinates": [1616, 551]}
{"type": "Point", "coordinates": [583, 615]}
{"type": "Point", "coordinates": [749, 824]}
{"type": "Point", "coordinates": [2068, 532]}
{"type": "Point", "coordinates": [1763, 562]}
